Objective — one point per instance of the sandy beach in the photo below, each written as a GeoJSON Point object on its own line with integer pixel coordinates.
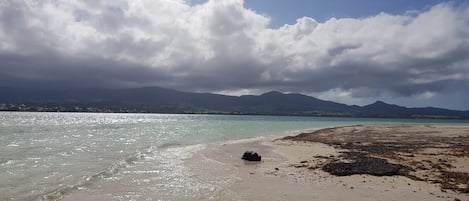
{"type": "Point", "coordinates": [379, 162]}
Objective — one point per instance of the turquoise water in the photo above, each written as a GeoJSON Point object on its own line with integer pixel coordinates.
{"type": "Point", "coordinates": [45, 156]}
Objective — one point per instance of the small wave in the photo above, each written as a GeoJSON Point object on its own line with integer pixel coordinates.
{"type": "Point", "coordinates": [169, 145]}
{"type": "Point", "coordinates": [271, 136]}
{"type": "Point", "coordinates": [7, 162]}
{"type": "Point", "coordinates": [174, 151]}
{"type": "Point", "coordinates": [13, 145]}
{"type": "Point", "coordinates": [308, 130]}
{"type": "Point", "coordinates": [59, 193]}
{"type": "Point", "coordinates": [245, 140]}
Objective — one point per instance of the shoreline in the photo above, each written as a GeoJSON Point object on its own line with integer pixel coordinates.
{"type": "Point", "coordinates": [292, 170]}
{"type": "Point", "coordinates": [461, 120]}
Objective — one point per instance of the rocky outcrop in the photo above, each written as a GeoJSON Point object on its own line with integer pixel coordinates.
{"type": "Point", "coordinates": [251, 156]}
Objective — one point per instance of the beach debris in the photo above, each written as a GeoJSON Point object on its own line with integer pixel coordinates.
{"type": "Point", "coordinates": [364, 165]}
{"type": "Point", "coordinates": [300, 165]}
{"type": "Point", "coordinates": [419, 153]}
{"type": "Point", "coordinates": [251, 156]}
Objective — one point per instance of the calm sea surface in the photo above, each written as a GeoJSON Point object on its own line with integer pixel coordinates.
{"type": "Point", "coordinates": [45, 156]}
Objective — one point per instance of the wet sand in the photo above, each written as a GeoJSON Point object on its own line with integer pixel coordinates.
{"type": "Point", "coordinates": [432, 161]}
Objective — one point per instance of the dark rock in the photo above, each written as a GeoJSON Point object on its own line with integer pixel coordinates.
{"type": "Point", "coordinates": [251, 156]}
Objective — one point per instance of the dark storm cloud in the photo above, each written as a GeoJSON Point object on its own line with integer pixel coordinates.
{"type": "Point", "coordinates": [54, 71]}
{"type": "Point", "coordinates": [222, 46]}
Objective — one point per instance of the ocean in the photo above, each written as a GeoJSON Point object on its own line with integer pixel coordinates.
{"type": "Point", "coordinates": [52, 156]}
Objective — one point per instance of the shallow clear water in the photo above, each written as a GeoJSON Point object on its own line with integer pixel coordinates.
{"type": "Point", "coordinates": [44, 156]}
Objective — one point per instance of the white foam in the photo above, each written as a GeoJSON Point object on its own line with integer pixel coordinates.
{"type": "Point", "coordinates": [245, 140]}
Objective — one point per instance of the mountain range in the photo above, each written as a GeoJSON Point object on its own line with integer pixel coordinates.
{"type": "Point", "coordinates": [162, 100]}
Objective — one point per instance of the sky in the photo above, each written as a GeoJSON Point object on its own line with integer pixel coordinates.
{"type": "Point", "coordinates": [411, 53]}
{"type": "Point", "coordinates": [285, 12]}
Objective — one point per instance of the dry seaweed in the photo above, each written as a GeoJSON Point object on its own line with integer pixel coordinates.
{"type": "Point", "coordinates": [370, 152]}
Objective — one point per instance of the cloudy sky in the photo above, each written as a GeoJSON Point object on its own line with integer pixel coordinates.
{"type": "Point", "coordinates": [412, 53]}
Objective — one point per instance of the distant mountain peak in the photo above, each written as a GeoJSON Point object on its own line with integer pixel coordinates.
{"type": "Point", "coordinates": [389, 109]}
{"type": "Point", "coordinates": [378, 102]}
{"type": "Point", "coordinates": [272, 93]}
